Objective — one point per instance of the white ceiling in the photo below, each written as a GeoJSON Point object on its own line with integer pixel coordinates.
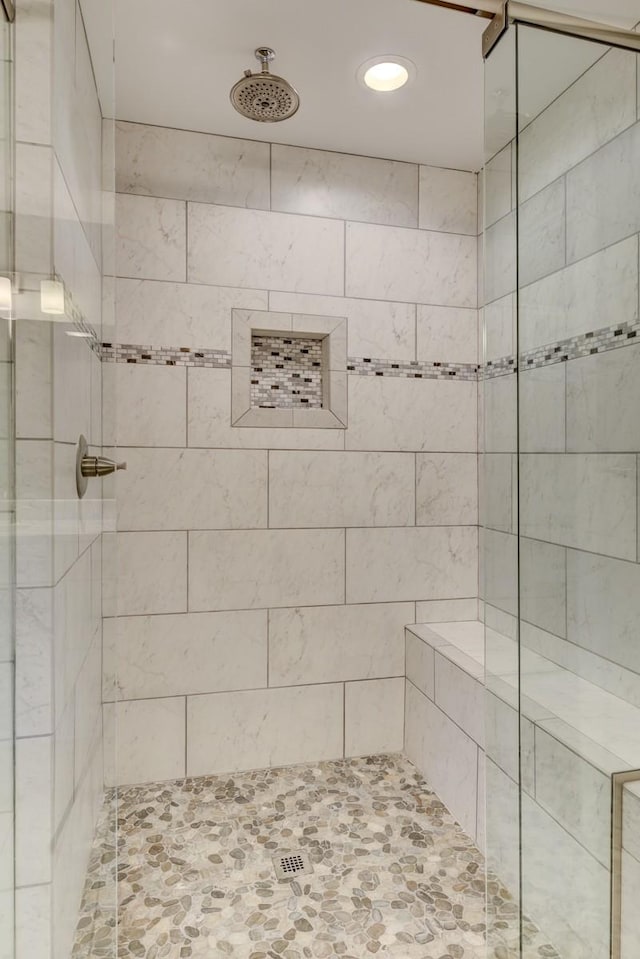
{"type": "Point", "coordinates": [176, 61]}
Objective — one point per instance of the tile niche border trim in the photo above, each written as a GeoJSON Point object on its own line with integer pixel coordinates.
{"type": "Point", "coordinates": [333, 331]}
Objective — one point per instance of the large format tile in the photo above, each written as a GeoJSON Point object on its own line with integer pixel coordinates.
{"type": "Point", "coordinates": [251, 248]}
{"type": "Point", "coordinates": [151, 238]}
{"type": "Point", "coordinates": [500, 259]}
{"type": "Point", "coordinates": [499, 566]}
{"type": "Point", "coordinates": [603, 196]}
{"type": "Point", "coordinates": [585, 501]}
{"type": "Point", "coordinates": [33, 826]}
{"type": "Point", "coordinates": [157, 161]}
{"type": "Point", "coordinates": [193, 489]}
{"type": "Point", "coordinates": [390, 565]}
{"type": "Point", "coordinates": [154, 656]}
{"type": "Point", "coordinates": [498, 186]}
{"type": "Point", "coordinates": [542, 410]}
{"type": "Point", "coordinates": [447, 334]}
{"type": "Point", "coordinates": [448, 200]}
{"type": "Point", "coordinates": [336, 643]}
{"type": "Point", "coordinates": [152, 573]}
{"type": "Point", "coordinates": [209, 421]}
{"type": "Point", "coordinates": [340, 185]}
{"type": "Point", "coordinates": [543, 585]}
{"type": "Point", "coordinates": [446, 489]}
{"type": "Point", "coordinates": [262, 568]}
{"type": "Point", "coordinates": [581, 297]}
{"type": "Point", "coordinates": [599, 105]}
{"type": "Point", "coordinates": [153, 313]}
{"type": "Point", "coordinates": [393, 413]}
{"type": "Point", "coordinates": [496, 489]}
{"type": "Point", "coordinates": [500, 428]}
{"type": "Point", "coordinates": [603, 396]}
{"type": "Point", "coordinates": [227, 732]}
{"type": "Point", "coordinates": [460, 697]}
{"type": "Point", "coordinates": [374, 328]}
{"type": "Point", "coordinates": [341, 489]}
{"type": "Point", "coordinates": [431, 738]}
{"type": "Point", "coordinates": [499, 328]}
{"type": "Point", "coordinates": [603, 599]}
{"type": "Point", "coordinates": [374, 717]}
{"type": "Point", "coordinates": [152, 402]}
{"type": "Point", "coordinates": [542, 234]}
{"type": "Point", "coordinates": [150, 740]}
{"type": "Point", "coordinates": [420, 663]}
{"type": "Point", "coordinates": [391, 263]}
{"type": "Point", "coordinates": [446, 610]}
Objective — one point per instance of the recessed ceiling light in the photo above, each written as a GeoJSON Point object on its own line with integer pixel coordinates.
{"type": "Point", "coordinates": [384, 74]}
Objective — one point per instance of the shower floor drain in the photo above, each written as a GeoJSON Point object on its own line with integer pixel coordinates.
{"type": "Point", "coordinates": [291, 865]}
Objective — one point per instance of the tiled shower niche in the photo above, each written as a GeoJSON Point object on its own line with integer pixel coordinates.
{"type": "Point", "coordinates": [286, 371]}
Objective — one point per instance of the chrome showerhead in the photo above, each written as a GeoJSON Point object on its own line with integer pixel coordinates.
{"type": "Point", "coordinates": [263, 96]}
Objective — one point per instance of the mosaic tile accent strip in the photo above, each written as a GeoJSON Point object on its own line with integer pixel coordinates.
{"type": "Point", "coordinates": [576, 347]}
{"type": "Point", "coordinates": [165, 356]}
{"type": "Point", "coordinates": [412, 369]}
{"type": "Point", "coordinates": [394, 874]}
{"type": "Point", "coordinates": [286, 372]}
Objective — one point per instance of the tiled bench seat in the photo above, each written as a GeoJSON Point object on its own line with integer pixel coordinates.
{"type": "Point", "coordinates": [462, 726]}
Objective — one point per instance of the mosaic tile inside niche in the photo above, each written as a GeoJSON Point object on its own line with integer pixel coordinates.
{"type": "Point", "coordinates": [394, 874]}
{"type": "Point", "coordinates": [286, 372]}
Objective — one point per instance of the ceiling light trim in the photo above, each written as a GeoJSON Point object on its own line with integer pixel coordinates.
{"type": "Point", "coordinates": [407, 65]}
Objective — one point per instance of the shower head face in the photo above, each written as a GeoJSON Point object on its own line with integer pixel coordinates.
{"type": "Point", "coordinates": [263, 96]}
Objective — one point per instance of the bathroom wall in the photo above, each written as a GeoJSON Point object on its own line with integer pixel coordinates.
{"type": "Point", "coordinates": [266, 575]}
{"type": "Point", "coordinates": [576, 410]}
{"type": "Point", "coordinates": [59, 231]}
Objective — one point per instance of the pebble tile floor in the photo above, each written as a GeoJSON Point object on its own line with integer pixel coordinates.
{"type": "Point", "coordinates": [394, 875]}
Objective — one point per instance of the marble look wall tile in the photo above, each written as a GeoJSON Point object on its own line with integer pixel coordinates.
{"type": "Point", "coordinates": [430, 739]}
{"type": "Point", "coordinates": [631, 819]}
{"type": "Point", "coordinates": [499, 561]}
{"type": "Point", "coordinates": [603, 393]}
{"type": "Point", "coordinates": [603, 600]}
{"type": "Point", "coordinates": [33, 71]}
{"type": "Point", "coordinates": [501, 252]}
{"type": "Point", "coordinates": [498, 186]}
{"type": "Point", "coordinates": [152, 403]}
{"type": "Point", "coordinates": [446, 489]}
{"type": "Point", "coordinates": [374, 329]}
{"type": "Point", "coordinates": [581, 297]}
{"type": "Point", "coordinates": [590, 113]}
{"type": "Point", "coordinates": [390, 565]}
{"type": "Point", "coordinates": [500, 328]}
{"type": "Point", "coordinates": [34, 759]}
{"type": "Point", "coordinates": [542, 233]}
{"type": "Point", "coordinates": [446, 610]}
{"type": "Point", "coordinates": [33, 380]}
{"type": "Point", "coordinates": [33, 209]}
{"type": "Point", "coordinates": [250, 248]}
{"type": "Point", "coordinates": [497, 479]}
{"type": "Point", "coordinates": [448, 200]}
{"type": "Point", "coordinates": [339, 185]}
{"type": "Point", "coordinates": [420, 663]}
{"type": "Point", "coordinates": [500, 427]}
{"type": "Point", "coordinates": [374, 717]}
{"type": "Point", "coordinates": [509, 741]}
{"type": "Point", "coordinates": [308, 489]}
{"type": "Point", "coordinates": [398, 414]}
{"type": "Point", "coordinates": [34, 513]}
{"type": "Point", "coordinates": [227, 732]}
{"type": "Point", "coordinates": [193, 489]}
{"type": "Point", "coordinates": [543, 585]}
{"type": "Point", "coordinates": [157, 161]}
{"type": "Point", "coordinates": [33, 922]}
{"type": "Point", "coordinates": [151, 740]}
{"type": "Point", "coordinates": [159, 314]}
{"type": "Point", "coordinates": [446, 334]}
{"type": "Point", "coordinates": [502, 827]}
{"type": "Point", "coordinates": [390, 263]}
{"type": "Point", "coordinates": [261, 568]}
{"type": "Point", "coordinates": [157, 656]}
{"type": "Point", "coordinates": [570, 901]}
{"type": "Point", "coordinates": [336, 643]}
{"type": "Point", "coordinates": [460, 697]}
{"type": "Point", "coordinates": [585, 501]}
{"type": "Point", "coordinates": [151, 238]}
{"type": "Point", "coordinates": [34, 646]}
{"type": "Point", "coordinates": [542, 408]}
{"type": "Point", "coordinates": [209, 420]}
{"type": "Point", "coordinates": [152, 573]}
{"type": "Point", "coordinates": [603, 196]}
{"type": "Point", "coordinates": [630, 916]}
{"type": "Point", "coordinates": [577, 795]}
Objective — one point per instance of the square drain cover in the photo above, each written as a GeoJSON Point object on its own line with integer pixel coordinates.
{"type": "Point", "coordinates": [291, 865]}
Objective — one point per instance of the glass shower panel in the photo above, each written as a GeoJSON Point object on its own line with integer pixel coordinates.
{"type": "Point", "coordinates": [578, 212]}
{"type": "Point", "coordinates": [499, 556]}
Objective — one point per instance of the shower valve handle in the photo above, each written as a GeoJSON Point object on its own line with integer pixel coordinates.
{"type": "Point", "coordinates": [99, 466]}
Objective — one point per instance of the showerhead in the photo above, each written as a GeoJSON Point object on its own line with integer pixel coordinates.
{"type": "Point", "coordinates": [263, 96]}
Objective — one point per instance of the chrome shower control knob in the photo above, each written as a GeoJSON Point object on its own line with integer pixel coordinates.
{"type": "Point", "coordinates": [99, 466]}
{"type": "Point", "coordinates": [92, 466]}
